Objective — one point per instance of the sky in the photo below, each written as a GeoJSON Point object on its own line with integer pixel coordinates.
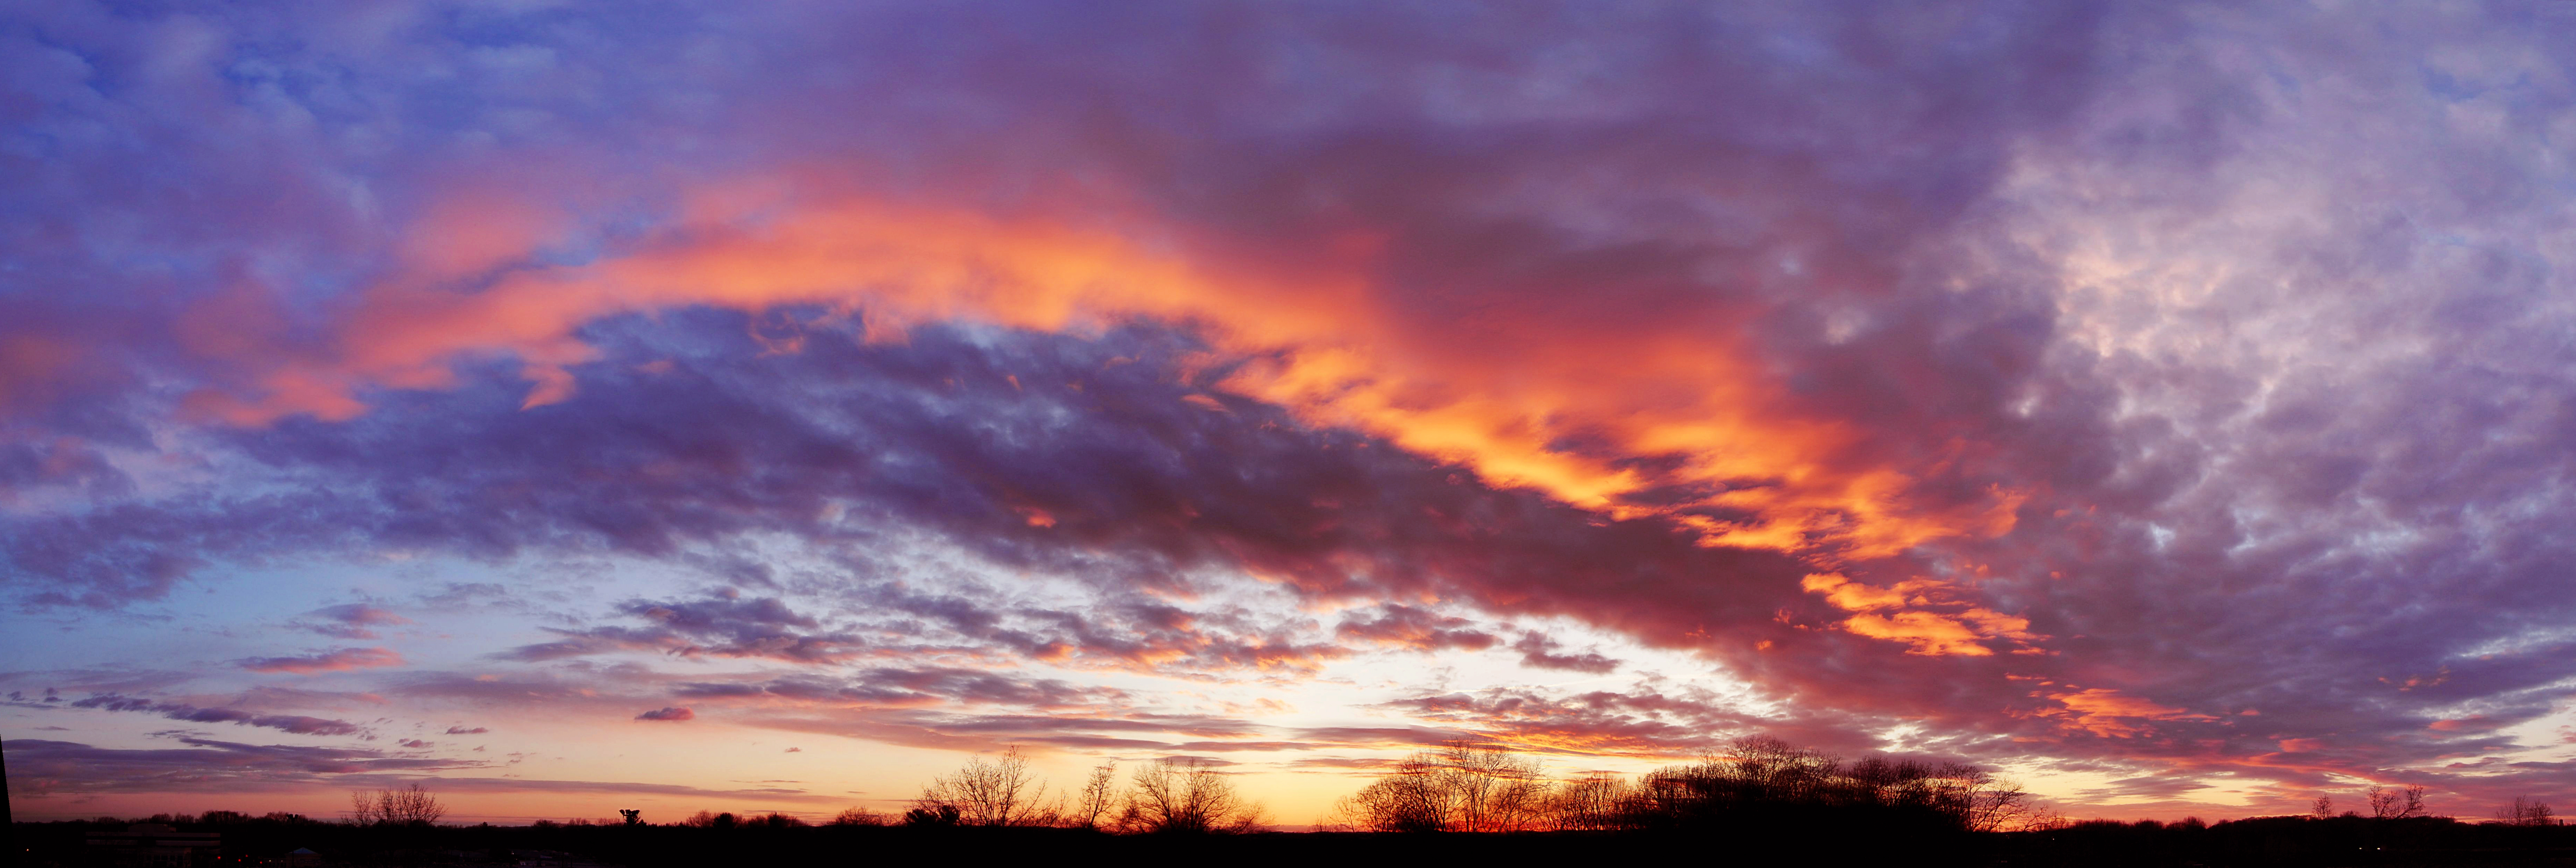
{"type": "Point", "coordinates": [682, 406]}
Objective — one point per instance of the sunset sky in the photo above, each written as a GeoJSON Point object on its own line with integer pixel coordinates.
{"type": "Point", "coordinates": [767, 406]}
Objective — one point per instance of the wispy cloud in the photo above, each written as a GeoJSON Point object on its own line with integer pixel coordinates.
{"type": "Point", "coordinates": [340, 660]}
{"type": "Point", "coordinates": [298, 724]}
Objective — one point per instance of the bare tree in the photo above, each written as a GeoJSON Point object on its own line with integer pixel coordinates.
{"type": "Point", "coordinates": [408, 806]}
{"type": "Point", "coordinates": [2322, 808]}
{"type": "Point", "coordinates": [1592, 803]}
{"type": "Point", "coordinates": [2044, 820]}
{"type": "Point", "coordinates": [998, 792]}
{"type": "Point", "coordinates": [1413, 798]}
{"type": "Point", "coordinates": [1098, 796]}
{"type": "Point", "coordinates": [2387, 804]}
{"type": "Point", "coordinates": [1497, 790]}
{"type": "Point", "coordinates": [1993, 804]}
{"type": "Point", "coordinates": [1765, 768]}
{"type": "Point", "coordinates": [1187, 795]}
{"type": "Point", "coordinates": [1460, 787]}
{"type": "Point", "coordinates": [2527, 811]}
{"type": "Point", "coordinates": [634, 816]}
{"type": "Point", "coordinates": [858, 816]}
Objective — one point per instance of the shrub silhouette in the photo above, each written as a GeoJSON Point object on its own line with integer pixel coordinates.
{"type": "Point", "coordinates": [858, 816]}
{"type": "Point", "coordinates": [711, 820]}
{"type": "Point", "coordinates": [932, 816]}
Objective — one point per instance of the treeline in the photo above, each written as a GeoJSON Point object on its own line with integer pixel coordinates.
{"type": "Point", "coordinates": [1172, 795]}
{"type": "Point", "coordinates": [2309, 840]}
{"type": "Point", "coordinates": [1486, 788]}
{"type": "Point", "coordinates": [1761, 798]}
{"type": "Point", "coordinates": [753, 839]}
{"type": "Point", "coordinates": [1469, 787]}
{"type": "Point", "coordinates": [2344, 839]}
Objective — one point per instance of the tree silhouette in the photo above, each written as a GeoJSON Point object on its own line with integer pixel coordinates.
{"type": "Point", "coordinates": [774, 820]}
{"type": "Point", "coordinates": [1459, 787]}
{"type": "Point", "coordinates": [1498, 790]}
{"type": "Point", "coordinates": [2387, 804]}
{"type": "Point", "coordinates": [2526, 811]}
{"type": "Point", "coordinates": [858, 816]}
{"type": "Point", "coordinates": [1470, 787]}
{"type": "Point", "coordinates": [997, 792]}
{"type": "Point", "coordinates": [1099, 795]}
{"type": "Point", "coordinates": [400, 807]}
{"type": "Point", "coordinates": [1594, 803]}
{"type": "Point", "coordinates": [1186, 795]}
{"type": "Point", "coordinates": [1411, 799]}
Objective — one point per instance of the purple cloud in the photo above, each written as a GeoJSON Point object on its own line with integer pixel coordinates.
{"type": "Point", "coordinates": [1538, 650]}
{"type": "Point", "coordinates": [725, 626]}
{"type": "Point", "coordinates": [351, 621]}
{"type": "Point", "coordinates": [913, 686]}
{"type": "Point", "coordinates": [1409, 627]}
{"type": "Point", "coordinates": [340, 660]}
{"type": "Point", "coordinates": [219, 767]}
{"type": "Point", "coordinates": [297, 724]}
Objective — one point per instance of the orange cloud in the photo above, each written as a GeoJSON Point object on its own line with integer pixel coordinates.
{"type": "Point", "coordinates": [1927, 633]}
{"type": "Point", "coordinates": [1962, 630]}
{"type": "Point", "coordinates": [1852, 596]}
{"type": "Point", "coordinates": [2107, 713]}
{"type": "Point", "coordinates": [1504, 397]}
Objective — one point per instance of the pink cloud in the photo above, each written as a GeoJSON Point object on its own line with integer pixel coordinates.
{"type": "Point", "coordinates": [341, 660]}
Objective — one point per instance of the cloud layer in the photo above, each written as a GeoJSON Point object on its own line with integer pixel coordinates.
{"type": "Point", "coordinates": [2173, 392]}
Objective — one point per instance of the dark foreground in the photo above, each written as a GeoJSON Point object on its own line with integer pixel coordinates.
{"type": "Point", "coordinates": [2281, 841]}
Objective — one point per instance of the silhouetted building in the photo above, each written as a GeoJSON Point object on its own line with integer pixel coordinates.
{"type": "Point", "coordinates": [152, 845]}
{"type": "Point", "coordinates": [302, 857]}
